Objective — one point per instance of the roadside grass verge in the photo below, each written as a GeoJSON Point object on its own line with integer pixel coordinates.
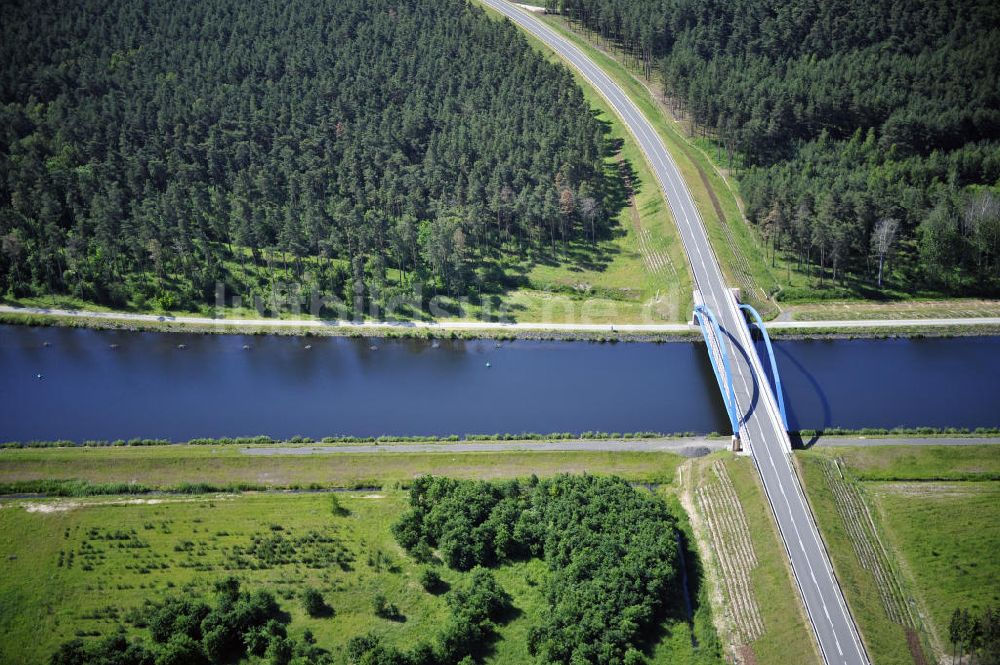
{"type": "Point", "coordinates": [957, 308]}
{"type": "Point", "coordinates": [626, 289]}
{"type": "Point", "coordinates": [884, 639]}
{"type": "Point", "coordinates": [170, 467]}
{"type": "Point", "coordinates": [910, 533]}
{"type": "Point", "coordinates": [755, 568]}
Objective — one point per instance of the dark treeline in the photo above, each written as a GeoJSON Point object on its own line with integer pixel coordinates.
{"type": "Point", "coordinates": [977, 635]}
{"type": "Point", "coordinates": [149, 150]}
{"type": "Point", "coordinates": [866, 133]}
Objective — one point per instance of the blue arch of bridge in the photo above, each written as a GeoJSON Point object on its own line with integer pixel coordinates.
{"type": "Point", "coordinates": [770, 354]}
{"type": "Point", "coordinates": [702, 312]}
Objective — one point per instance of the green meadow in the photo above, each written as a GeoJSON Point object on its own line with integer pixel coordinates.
{"type": "Point", "coordinates": [928, 543]}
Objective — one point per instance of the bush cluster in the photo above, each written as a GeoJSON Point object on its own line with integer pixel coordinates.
{"type": "Point", "coordinates": [611, 551]}
{"type": "Point", "coordinates": [477, 607]}
{"type": "Point", "coordinates": [190, 632]}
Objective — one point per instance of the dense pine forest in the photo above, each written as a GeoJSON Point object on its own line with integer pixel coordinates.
{"type": "Point", "coordinates": [866, 134]}
{"type": "Point", "coordinates": [150, 150]}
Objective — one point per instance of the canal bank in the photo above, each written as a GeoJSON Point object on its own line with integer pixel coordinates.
{"type": "Point", "coordinates": [653, 332]}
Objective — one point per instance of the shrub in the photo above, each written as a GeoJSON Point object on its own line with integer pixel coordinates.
{"type": "Point", "coordinates": [384, 609]}
{"type": "Point", "coordinates": [431, 581]}
{"type": "Point", "coordinates": [280, 651]}
{"type": "Point", "coordinates": [313, 603]}
{"type": "Point", "coordinates": [176, 616]}
{"type": "Point", "coordinates": [336, 508]}
{"type": "Point", "coordinates": [181, 650]}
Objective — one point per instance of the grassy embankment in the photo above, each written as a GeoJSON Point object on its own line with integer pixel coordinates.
{"type": "Point", "coordinates": [600, 334]}
{"type": "Point", "coordinates": [910, 534]}
{"type": "Point", "coordinates": [129, 549]}
{"type": "Point", "coordinates": [168, 467]}
{"type": "Point", "coordinates": [955, 308]}
{"type": "Point", "coordinates": [754, 595]}
{"type": "Point", "coordinates": [800, 291]}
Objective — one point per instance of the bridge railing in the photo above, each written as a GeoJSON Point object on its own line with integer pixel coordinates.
{"type": "Point", "coordinates": [723, 375]}
{"type": "Point", "coordinates": [774, 365]}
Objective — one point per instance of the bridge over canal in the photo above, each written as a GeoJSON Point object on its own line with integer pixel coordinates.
{"type": "Point", "coordinates": [756, 415]}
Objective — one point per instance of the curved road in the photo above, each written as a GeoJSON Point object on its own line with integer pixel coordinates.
{"type": "Point", "coordinates": [761, 428]}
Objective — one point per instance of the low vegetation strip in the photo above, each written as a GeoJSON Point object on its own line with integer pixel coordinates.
{"type": "Point", "coordinates": [733, 549]}
{"type": "Point", "coordinates": [903, 309]}
{"type": "Point", "coordinates": [914, 463]}
{"type": "Point", "coordinates": [163, 468]}
{"type": "Point", "coordinates": [267, 440]}
{"type": "Point", "coordinates": [867, 545]}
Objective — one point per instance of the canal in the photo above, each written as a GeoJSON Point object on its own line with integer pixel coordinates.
{"type": "Point", "coordinates": [110, 384]}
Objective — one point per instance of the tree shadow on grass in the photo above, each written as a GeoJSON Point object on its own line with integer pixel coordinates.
{"type": "Point", "coordinates": [324, 612]}
{"type": "Point", "coordinates": [679, 608]}
{"type": "Point", "coordinates": [488, 649]}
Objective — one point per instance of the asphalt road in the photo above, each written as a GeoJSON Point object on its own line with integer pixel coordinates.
{"type": "Point", "coordinates": [761, 428]}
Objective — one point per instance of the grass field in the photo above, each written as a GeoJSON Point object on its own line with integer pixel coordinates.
{"type": "Point", "coordinates": [169, 466]}
{"type": "Point", "coordinates": [77, 567]}
{"type": "Point", "coordinates": [184, 545]}
{"type": "Point", "coordinates": [912, 535]}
